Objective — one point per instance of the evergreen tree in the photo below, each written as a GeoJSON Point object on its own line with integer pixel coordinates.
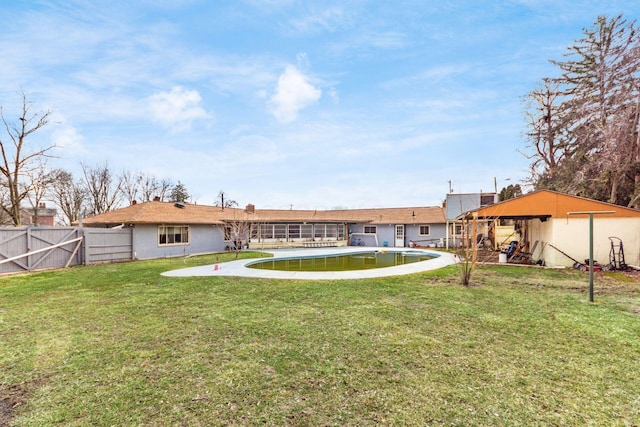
{"type": "Point", "coordinates": [583, 125]}
{"type": "Point", "coordinates": [179, 193]}
{"type": "Point", "coordinates": [510, 192]}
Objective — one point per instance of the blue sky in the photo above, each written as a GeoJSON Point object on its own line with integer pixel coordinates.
{"type": "Point", "coordinates": [315, 104]}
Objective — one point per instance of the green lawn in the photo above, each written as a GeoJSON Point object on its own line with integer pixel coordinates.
{"type": "Point", "coordinates": [121, 345]}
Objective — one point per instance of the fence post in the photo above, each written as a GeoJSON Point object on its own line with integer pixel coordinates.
{"type": "Point", "coordinates": [79, 255]}
{"type": "Point", "coordinates": [29, 243]}
{"type": "Point", "coordinates": [85, 246]}
{"type": "Point", "coordinates": [133, 244]}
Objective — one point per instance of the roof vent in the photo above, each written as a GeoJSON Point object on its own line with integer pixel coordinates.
{"type": "Point", "coordinates": [179, 205]}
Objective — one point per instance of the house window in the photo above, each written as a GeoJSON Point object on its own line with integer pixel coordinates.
{"type": "Point", "coordinates": [173, 235]}
{"type": "Point", "coordinates": [425, 230]}
{"type": "Point", "coordinates": [306, 231]}
{"type": "Point", "coordinates": [370, 229]}
{"type": "Point", "coordinates": [487, 199]}
{"type": "Point", "coordinates": [266, 231]}
{"type": "Point", "coordinates": [294, 231]}
{"type": "Point", "coordinates": [280, 231]}
{"type": "Point", "coordinates": [455, 229]}
{"type": "Point", "coordinates": [319, 231]}
{"type": "Point", "coordinates": [298, 231]}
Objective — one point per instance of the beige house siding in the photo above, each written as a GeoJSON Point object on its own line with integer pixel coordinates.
{"type": "Point", "coordinates": [571, 235]}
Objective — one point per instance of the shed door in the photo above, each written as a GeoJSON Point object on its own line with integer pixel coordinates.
{"type": "Point", "coordinates": [399, 236]}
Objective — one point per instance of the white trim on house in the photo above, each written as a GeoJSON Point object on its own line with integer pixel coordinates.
{"type": "Point", "coordinates": [180, 238]}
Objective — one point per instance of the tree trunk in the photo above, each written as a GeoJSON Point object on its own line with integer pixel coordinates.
{"type": "Point", "coordinates": [635, 197]}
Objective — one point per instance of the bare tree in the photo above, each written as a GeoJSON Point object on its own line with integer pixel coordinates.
{"type": "Point", "coordinates": [545, 129]}
{"type": "Point", "coordinates": [237, 229]}
{"type": "Point", "coordinates": [466, 253]}
{"type": "Point", "coordinates": [223, 202]}
{"type": "Point", "coordinates": [103, 188]}
{"type": "Point", "coordinates": [144, 187]}
{"type": "Point", "coordinates": [5, 219]}
{"type": "Point", "coordinates": [148, 188]}
{"type": "Point", "coordinates": [68, 194]}
{"type": "Point", "coordinates": [131, 183]}
{"type": "Point", "coordinates": [40, 180]}
{"type": "Point", "coordinates": [18, 159]}
{"type": "Point", "coordinates": [151, 187]}
{"type": "Point", "coordinates": [164, 187]}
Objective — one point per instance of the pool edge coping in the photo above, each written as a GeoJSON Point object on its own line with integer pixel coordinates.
{"type": "Point", "coordinates": [238, 268]}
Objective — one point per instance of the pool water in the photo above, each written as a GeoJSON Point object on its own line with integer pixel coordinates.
{"type": "Point", "coordinates": [344, 262]}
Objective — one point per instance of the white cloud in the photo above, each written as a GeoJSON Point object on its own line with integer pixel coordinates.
{"type": "Point", "coordinates": [69, 140]}
{"type": "Point", "coordinates": [178, 108]}
{"type": "Point", "coordinates": [293, 93]}
{"type": "Point", "coordinates": [331, 19]}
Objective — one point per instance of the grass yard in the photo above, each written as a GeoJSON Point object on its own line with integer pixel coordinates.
{"type": "Point", "coordinates": [119, 344]}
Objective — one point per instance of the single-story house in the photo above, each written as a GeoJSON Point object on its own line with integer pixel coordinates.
{"type": "Point", "coordinates": [163, 229]}
{"type": "Point", "coordinates": [554, 227]}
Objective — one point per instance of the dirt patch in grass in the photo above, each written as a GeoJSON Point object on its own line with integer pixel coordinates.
{"type": "Point", "coordinates": [632, 273]}
{"type": "Point", "coordinates": [10, 399]}
{"type": "Point", "coordinates": [623, 287]}
{"type": "Point", "coordinates": [619, 282]}
{"type": "Point", "coordinates": [14, 396]}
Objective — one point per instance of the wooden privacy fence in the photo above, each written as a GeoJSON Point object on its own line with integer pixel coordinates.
{"type": "Point", "coordinates": [107, 245]}
{"type": "Point", "coordinates": [41, 248]}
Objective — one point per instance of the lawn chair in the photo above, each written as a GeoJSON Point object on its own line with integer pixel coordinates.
{"type": "Point", "coordinates": [516, 254]}
{"type": "Point", "coordinates": [528, 256]}
{"type": "Point", "coordinates": [511, 250]}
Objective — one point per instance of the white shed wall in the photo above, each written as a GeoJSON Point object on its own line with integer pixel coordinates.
{"type": "Point", "coordinates": [571, 235]}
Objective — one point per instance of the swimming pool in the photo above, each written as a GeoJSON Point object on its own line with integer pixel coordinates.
{"type": "Point", "coordinates": [344, 262]}
{"type": "Point", "coordinates": [239, 267]}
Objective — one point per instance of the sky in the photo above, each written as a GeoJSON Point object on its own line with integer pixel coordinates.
{"type": "Point", "coordinates": [291, 104]}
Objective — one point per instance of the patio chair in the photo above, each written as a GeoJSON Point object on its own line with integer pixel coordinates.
{"type": "Point", "coordinates": [511, 250]}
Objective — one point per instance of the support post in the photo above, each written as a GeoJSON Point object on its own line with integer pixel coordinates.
{"type": "Point", "coordinates": [591, 213]}
{"type": "Point", "coordinates": [591, 256]}
{"type": "Point", "coordinates": [474, 238]}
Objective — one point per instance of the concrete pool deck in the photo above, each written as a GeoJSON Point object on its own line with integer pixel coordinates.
{"type": "Point", "coordinates": [239, 268]}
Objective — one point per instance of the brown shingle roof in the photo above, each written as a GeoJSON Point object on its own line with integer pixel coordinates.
{"type": "Point", "coordinates": [416, 215]}
{"type": "Point", "coordinates": [158, 213]}
{"type": "Point", "coordinates": [169, 213]}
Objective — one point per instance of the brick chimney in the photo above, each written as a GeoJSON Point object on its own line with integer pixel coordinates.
{"type": "Point", "coordinates": [251, 208]}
